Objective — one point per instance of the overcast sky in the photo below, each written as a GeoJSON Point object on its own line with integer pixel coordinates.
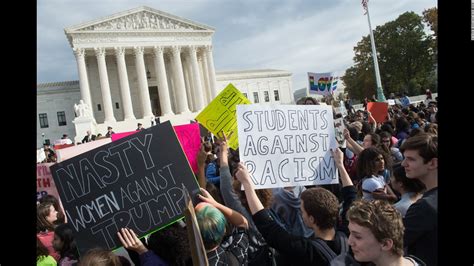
{"type": "Point", "coordinates": [299, 36]}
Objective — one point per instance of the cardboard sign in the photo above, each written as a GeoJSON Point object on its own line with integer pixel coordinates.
{"type": "Point", "coordinates": [44, 181]}
{"type": "Point", "coordinates": [190, 140]}
{"type": "Point", "coordinates": [135, 182]}
{"type": "Point", "coordinates": [287, 145]}
{"type": "Point", "coordinates": [120, 135]}
{"type": "Point", "coordinates": [220, 114]}
{"type": "Point", "coordinates": [339, 131]}
{"type": "Point", "coordinates": [379, 111]}
{"type": "Point", "coordinates": [198, 251]}
{"type": "Point", "coordinates": [66, 153]}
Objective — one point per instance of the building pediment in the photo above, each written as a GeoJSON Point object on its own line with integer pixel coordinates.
{"type": "Point", "coordinates": [139, 19]}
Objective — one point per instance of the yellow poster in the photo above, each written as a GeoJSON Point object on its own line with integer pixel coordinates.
{"type": "Point", "coordinates": [220, 114]}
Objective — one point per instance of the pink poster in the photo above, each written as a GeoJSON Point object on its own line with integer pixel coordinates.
{"type": "Point", "coordinates": [190, 140]}
{"type": "Point", "coordinates": [188, 136]}
{"type": "Point", "coordinates": [120, 135]}
{"type": "Point", "coordinates": [44, 181]}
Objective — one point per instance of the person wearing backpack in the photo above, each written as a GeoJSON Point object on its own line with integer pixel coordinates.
{"type": "Point", "coordinates": [259, 253]}
{"type": "Point", "coordinates": [320, 210]}
{"type": "Point", "coordinates": [211, 217]}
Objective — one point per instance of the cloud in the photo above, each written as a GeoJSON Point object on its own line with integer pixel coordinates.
{"type": "Point", "coordinates": [299, 36]}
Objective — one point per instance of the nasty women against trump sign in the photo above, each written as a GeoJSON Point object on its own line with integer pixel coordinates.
{"type": "Point", "coordinates": [287, 145]}
{"type": "Point", "coordinates": [135, 182]}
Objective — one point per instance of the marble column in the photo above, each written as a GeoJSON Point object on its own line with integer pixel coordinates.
{"type": "Point", "coordinates": [205, 80]}
{"type": "Point", "coordinates": [181, 98]}
{"type": "Point", "coordinates": [163, 89]}
{"type": "Point", "coordinates": [212, 72]}
{"type": "Point", "coordinates": [104, 85]}
{"type": "Point", "coordinates": [142, 83]}
{"type": "Point", "coordinates": [80, 54]}
{"type": "Point", "coordinates": [124, 85]}
{"type": "Point", "coordinates": [196, 77]}
{"type": "Point", "coordinates": [188, 83]}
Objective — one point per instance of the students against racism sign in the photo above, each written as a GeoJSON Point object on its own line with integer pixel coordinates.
{"type": "Point", "coordinates": [322, 83]}
{"type": "Point", "coordinates": [287, 145]}
{"type": "Point", "coordinates": [135, 182]}
{"type": "Point", "coordinates": [219, 115]}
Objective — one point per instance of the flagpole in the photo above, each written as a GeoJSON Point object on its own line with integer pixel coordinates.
{"type": "Point", "coordinates": [380, 95]}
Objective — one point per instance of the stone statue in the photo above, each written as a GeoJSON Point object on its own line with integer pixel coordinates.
{"type": "Point", "coordinates": [82, 109]}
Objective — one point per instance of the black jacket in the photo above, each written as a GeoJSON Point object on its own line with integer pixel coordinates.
{"type": "Point", "coordinates": [421, 228]}
{"type": "Point", "coordinates": [297, 250]}
{"type": "Point", "coordinates": [86, 138]}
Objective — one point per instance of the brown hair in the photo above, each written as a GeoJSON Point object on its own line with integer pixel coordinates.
{"type": "Point", "coordinates": [264, 195]}
{"type": "Point", "coordinates": [322, 205]}
{"type": "Point", "coordinates": [426, 145]}
{"type": "Point", "coordinates": [381, 218]}
{"type": "Point", "coordinates": [42, 211]}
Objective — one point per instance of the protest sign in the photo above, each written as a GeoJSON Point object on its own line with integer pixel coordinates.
{"type": "Point", "coordinates": [44, 181]}
{"type": "Point", "coordinates": [219, 115]}
{"type": "Point", "coordinates": [198, 251]}
{"type": "Point", "coordinates": [135, 182]}
{"type": "Point", "coordinates": [66, 153]}
{"type": "Point", "coordinates": [322, 83]}
{"type": "Point", "coordinates": [379, 111]}
{"type": "Point", "coordinates": [190, 140]}
{"type": "Point", "coordinates": [287, 145]}
{"type": "Point", "coordinates": [339, 131]}
{"type": "Point", "coordinates": [117, 136]}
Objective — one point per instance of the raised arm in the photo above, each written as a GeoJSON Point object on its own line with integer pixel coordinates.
{"type": "Point", "coordinates": [234, 217]}
{"type": "Point", "coordinates": [130, 241]}
{"type": "Point", "coordinates": [338, 159]}
{"type": "Point", "coordinates": [352, 144]}
{"type": "Point", "coordinates": [201, 161]}
{"type": "Point", "coordinates": [253, 201]}
{"type": "Point", "coordinates": [230, 197]}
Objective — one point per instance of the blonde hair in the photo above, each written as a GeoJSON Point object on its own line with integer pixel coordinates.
{"type": "Point", "coordinates": [382, 219]}
{"type": "Point", "coordinates": [99, 257]}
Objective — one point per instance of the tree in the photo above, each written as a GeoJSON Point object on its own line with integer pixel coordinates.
{"type": "Point", "coordinates": [405, 57]}
{"type": "Point", "coordinates": [430, 17]}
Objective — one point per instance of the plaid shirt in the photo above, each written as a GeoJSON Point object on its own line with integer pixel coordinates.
{"type": "Point", "coordinates": [237, 243]}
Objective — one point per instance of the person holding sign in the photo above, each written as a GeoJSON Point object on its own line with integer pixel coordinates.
{"type": "Point", "coordinates": [320, 209]}
{"type": "Point", "coordinates": [130, 241]}
{"type": "Point", "coordinates": [234, 198]}
{"type": "Point", "coordinates": [211, 217]}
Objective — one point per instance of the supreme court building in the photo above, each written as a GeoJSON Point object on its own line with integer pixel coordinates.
{"type": "Point", "coordinates": [140, 64]}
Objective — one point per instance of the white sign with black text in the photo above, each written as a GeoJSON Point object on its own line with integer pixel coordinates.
{"type": "Point", "coordinates": [287, 145]}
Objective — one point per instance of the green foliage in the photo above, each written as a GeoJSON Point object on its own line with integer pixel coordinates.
{"type": "Point", "coordinates": [405, 55]}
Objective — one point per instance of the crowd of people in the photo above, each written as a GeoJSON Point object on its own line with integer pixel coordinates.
{"type": "Point", "coordinates": [382, 212]}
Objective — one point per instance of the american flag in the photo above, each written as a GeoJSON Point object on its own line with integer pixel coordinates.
{"type": "Point", "coordinates": [364, 5]}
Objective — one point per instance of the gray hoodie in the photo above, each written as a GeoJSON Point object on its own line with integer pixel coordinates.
{"type": "Point", "coordinates": [286, 203]}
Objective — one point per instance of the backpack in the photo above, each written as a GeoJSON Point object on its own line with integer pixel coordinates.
{"type": "Point", "coordinates": [326, 251]}
{"type": "Point", "coordinates": [263, 254]}
{"type": "Point", "coordinates": [231, 259]}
